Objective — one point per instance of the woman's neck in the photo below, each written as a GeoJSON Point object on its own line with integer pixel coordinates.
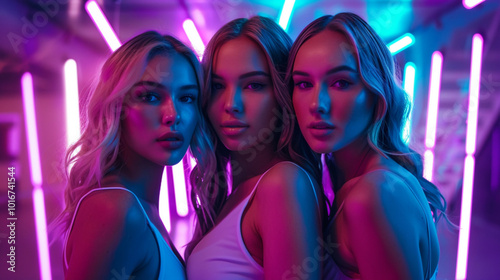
{"type": "Point", "coordinates": [253, 162]}
{"type": "Point", "coordinates": [144, 180]}
{"type": "Point", "coordinates": [352, 161]}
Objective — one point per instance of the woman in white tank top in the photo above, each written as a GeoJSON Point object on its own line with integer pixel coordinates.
{"type": "Point", "coordinates": [350, 108]}
{"type": "Point", "coordinates": [143, 115]}
{"type": "Point", "coordinates": [269, 225]}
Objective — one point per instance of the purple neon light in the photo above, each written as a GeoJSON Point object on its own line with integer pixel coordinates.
{"type": "Point", "coordinates": [470, 149]}
{"type": "Point", "coordinates": [432, 113]}
{"type": "Point", "coordinates": [36, 176]}
{"type": "Point", "coordinates": [469, 4]}
{"type": "Point", "coordinates": [102, 24]}
{"type": "Point", "coordinates": [164, 207]}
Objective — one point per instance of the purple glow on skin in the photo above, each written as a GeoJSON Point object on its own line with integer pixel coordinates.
{"type": "Point", "coordinates": [36, 176]}
{"type": "Point", "coordinates": [103, 25]}
{"type": "Point", "coordinates": [470, 149]}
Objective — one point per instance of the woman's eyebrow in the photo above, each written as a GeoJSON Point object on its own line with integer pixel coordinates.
{"type": "Point", "coordinates": [149, 84]}
{"type": "Point", "coordinates": [329, 72]}
{"type": "Point", "coordinates": [246, 75]}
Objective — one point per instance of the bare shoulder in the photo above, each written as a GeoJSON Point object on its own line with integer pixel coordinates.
{"type": "Point", "coordinates": [382, 195]}
{"type": "Point", "coordinates": [286, 176]}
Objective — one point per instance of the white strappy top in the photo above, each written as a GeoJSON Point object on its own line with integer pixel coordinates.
{"type": "Point", "coordinates": [222, 254]}
{"type": "Point", "coordinates": [170, 265]}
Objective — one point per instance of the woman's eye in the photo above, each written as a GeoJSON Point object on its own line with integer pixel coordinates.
{"type": "Point", "coordinates": [217, 86]}
{"type": "Point", "coordinates": [303, 85]}
{"type": "Point", "coordinates": [255, 86]}
{"type": "Point", "coordinates": [149, 97]}
{"type": "Point", "coordinates": [341, 84]}
{"type": "Point", "coordinates": [188, 98]}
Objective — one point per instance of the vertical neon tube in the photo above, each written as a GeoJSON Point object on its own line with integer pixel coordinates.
{"type": "Point", "coordinates": [432, 111]}
{"type": "Point", "coordinates": [286, 13]}
{"type": "Point", "coordinates": [469, 4]}
{"type": "Point", "coordinates": [72, 102]}
{"type": "Point", "coordinates": [102, 24]}
{"type": "Point", "coordinates": [409, 87]}
{"type": "Point", "coordinates": [36, 176]}
{"type": "Point", "coordinates": [194, 37]}
{"type": "Point", "coordinates": [164, 207]}
{"type": "Point", "coordinates": [180, 189]}
{"type": "Point", "coordinates": [470, 149]}
{"type": "Point", "coordinates": [401, 43]}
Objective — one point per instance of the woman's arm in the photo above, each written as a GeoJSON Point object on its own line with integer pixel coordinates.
{"type": "Point", "coordinates": [384, 222]}
{"type": "Point", "coordinates": [105, 241]}
{"type": "Point", "coordinates": [289, 224]}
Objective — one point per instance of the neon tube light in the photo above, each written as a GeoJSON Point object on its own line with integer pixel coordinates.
{"type": "Point", "coordinates": [194, 37]}
{"type": "Point", "coordinates": [180, 189]}
{"type": "Point", "coordinates": [401, 43]}
{"type": "Point", "coordinates": [432, 111]}
{"type": "Point", "coordinates": [72, 104]}
{"type": "Point", "coordinates": [36, 176]}
{"type": "Point", "coordinates": [409, 87]}
{"type": "Point", "coordinates": [470, 149]}
{"type": "Point", "coordinates": [469, 4]}
{"type": "Point", "coordinates": [103, 25]}
{"type": "Point", "coordinates": [286, 12]}
{"type": "Point", "coordinates": [164, 207]}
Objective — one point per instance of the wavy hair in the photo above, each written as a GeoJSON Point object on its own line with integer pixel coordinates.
{"type": "Point", "coordinates": [377, 71]}
{"type": "Point", "coordinates": [209, 180]}
{"type": "Point", "coordinates": [96, 153]}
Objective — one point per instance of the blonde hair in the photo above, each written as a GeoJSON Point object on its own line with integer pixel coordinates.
{"type": "Point", "coordinates": [96, 153]}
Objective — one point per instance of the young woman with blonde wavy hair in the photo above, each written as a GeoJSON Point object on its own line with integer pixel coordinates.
{"type": "Point", "coordinates": [144, 114]}
{"type": "Point", "coordinates": [350, 108]}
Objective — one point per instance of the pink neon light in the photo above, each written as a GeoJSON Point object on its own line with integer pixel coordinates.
{"type": "Point", "coordinates": [72, 102]}
{"type": "Point", "coordinates": [433, 103]}
{"type": "Point", "coordinates": [32, 136]}
{"type": "Point", "coordinates": [428, 165]}
{"type": "Point", "coordinates": [469, 4]}
{"type": "Point", "coordinates": [465, 218]}
{"type": "Point", "coordinates": [194, 37]}
{"type": "Point", "coordinates": [180, 189]}
{"type": "Point", "coordinates": [475, 80]}
{"type": "Point", "coordinates": [41, 234]}
{"type": "Point", "coordinates": [102, 24]}
{"type": "Point", "coordinates": [36, 176]}
{"type": "Point", "coordinates": [470, 148]}
{"type": "Point", "coordinates": [164, 207]}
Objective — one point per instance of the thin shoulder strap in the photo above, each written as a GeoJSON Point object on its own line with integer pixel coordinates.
{"type": "Point", "coordinates": [78, 206]}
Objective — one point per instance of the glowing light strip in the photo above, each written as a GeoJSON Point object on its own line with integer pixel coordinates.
{"type": "Point", "coordinates": [41, 234]}
{"type": "Point", "coordinates": [36, 176]}
{"type": "Point", "coordinates": [401, 43]}
{"type": "Point", "coordinates": [194, 37]}
{"type": "Point", "coordinates": [180, 189]}
{"type": "Point", "coordinates": [409, 87]}
{"type": "Point", "coordinates": [286, 12]}
{"type": "Point", "coordinates": [102, 24]}
{"type": "Point", "coordinates": [72, 104]}
{"type": "Point", "coordinates": [164, 207]}
{"type": "Point", "coordinates": [470, 148]}
{"type": "Point", "coordinates": [432, 112]}
{"type": "Point", "coordinates": [469, 4]}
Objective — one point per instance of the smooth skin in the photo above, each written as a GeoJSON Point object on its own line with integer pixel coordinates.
{"type": "Point", "coordinates": [382, 230]}
{"type": "Point", "coordinates": [110, 237]}
{"type": "Point", "coordinates": [281, 222]}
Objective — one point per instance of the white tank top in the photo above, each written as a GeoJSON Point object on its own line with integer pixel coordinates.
{"type": "Point", "coordinates": [221, 254]}
{"type": "Point", "coordinates": [170, 265]}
